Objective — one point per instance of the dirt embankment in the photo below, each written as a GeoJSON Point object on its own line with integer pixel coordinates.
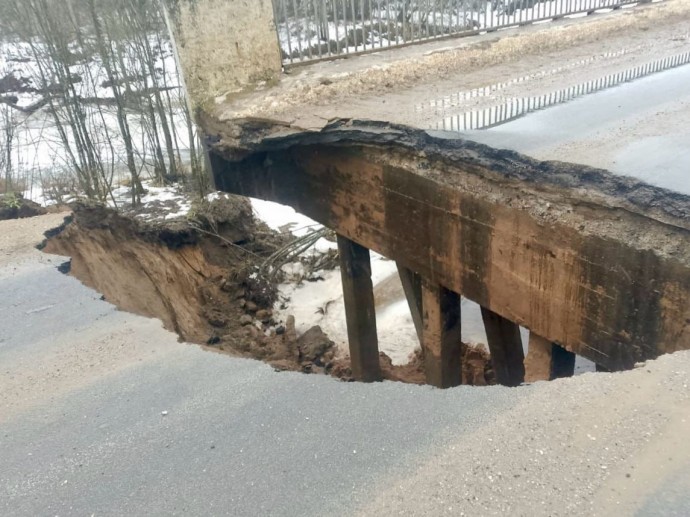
{"type": "Point", "coordinates": [199, 277]}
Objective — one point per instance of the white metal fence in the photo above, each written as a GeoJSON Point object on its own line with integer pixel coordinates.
{"type": "Point", "coordinates": [311, 30]}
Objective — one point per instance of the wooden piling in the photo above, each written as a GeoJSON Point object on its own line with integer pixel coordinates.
{"type": "Point", "coordinates": [358, 294]}
{"type": "Point", "coordinates": [441, 335]}
{"type": "Point", "coordinates": [505, 345]}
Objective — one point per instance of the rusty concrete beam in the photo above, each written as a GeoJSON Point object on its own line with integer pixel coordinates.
{"type": "Point", "coordinates": [596, 263]}
{"type": "Point", "coordinates": [441, 336]}
{"type": "Point", "coordinates": [360, 310]}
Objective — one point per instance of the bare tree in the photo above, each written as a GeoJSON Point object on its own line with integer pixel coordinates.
{"type": "Point", "coordinates": [8, 125]}
{"type": "Point", "coordinates": [109, 88]}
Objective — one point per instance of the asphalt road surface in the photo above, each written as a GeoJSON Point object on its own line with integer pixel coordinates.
{"type": "Point", "coordinates": [639, 129]}
{"type": "Point", "coordinates": [106, 413]}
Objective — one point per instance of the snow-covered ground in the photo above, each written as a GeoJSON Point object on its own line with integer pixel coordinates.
{"type": "Point", "coordinates": [20, 59]}
{"type": "Point", "coordinates": [39, 156]}
{"type": "Point", "coordinates": [321, 302]}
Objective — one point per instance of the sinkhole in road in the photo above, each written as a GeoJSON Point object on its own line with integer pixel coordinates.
{"type": "Point", "coordinates": [199, 278]}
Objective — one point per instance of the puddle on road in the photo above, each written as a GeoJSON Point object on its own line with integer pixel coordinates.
{"type": "Point", "coordinates": [519, 107]}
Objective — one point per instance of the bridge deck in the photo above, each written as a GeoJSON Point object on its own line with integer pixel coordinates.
{"type": "Point", "coordinates": [598, 264]}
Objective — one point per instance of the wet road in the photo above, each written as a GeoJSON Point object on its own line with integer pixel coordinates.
{"type": "Point", "coordinates": [638, 129]}
{"type": "Point", "coordinates": [85, 433]}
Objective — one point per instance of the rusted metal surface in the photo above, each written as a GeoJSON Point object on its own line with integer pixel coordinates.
{"type": "Point", "coordinates": [596, 263]}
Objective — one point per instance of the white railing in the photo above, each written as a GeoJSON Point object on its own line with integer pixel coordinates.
{"type": "Point", "coordinates": [310, 30]}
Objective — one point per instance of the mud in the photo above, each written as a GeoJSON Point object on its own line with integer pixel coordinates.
{"type": "Point", "coordinates": [199, 277]}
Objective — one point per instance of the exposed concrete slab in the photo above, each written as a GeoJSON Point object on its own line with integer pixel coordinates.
{"type": "Point", "coordinates": [305, 100]}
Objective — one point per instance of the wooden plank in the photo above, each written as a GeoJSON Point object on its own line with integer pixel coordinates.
{"type": "Point", "coordinates": [358, 294]}
{"type": "Point", "coordinates": [441, 335]}
{"type": "Point", "coordinates": [412, 285]}
{"type": "Point", "coordinates": [505, 346]}
{"type": "Point", "coordinates": [498, 228]}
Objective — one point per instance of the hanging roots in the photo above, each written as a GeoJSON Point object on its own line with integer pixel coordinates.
{"type": "Point", "coordinates": [292, 251]}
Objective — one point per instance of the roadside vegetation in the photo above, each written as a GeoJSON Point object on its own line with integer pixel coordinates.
{"type": "Point", "coordinates": [91, 100]}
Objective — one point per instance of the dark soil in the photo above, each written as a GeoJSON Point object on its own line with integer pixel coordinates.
{"type": "Point", "coordinates": [14, 206]}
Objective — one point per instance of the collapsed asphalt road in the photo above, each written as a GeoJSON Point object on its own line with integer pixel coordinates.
{"type": "Point", "coordinates": [105, 413]}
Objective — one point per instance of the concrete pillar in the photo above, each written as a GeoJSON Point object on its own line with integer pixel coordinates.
{"type": "Point", "coordinates": [358, 294]}
{"type": "Point", "coordinates": [562, 362]}
{"type": "Point", "coordinates": [547, 361]}
{"type": "Point", "coordinates": [505, 346]}
{"type": "Point", "coordinates": [538, 360]}
{"type": "Point", "coordinates": [441, 335]}
{"type": "Point", "coordinates": [224, 46]}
